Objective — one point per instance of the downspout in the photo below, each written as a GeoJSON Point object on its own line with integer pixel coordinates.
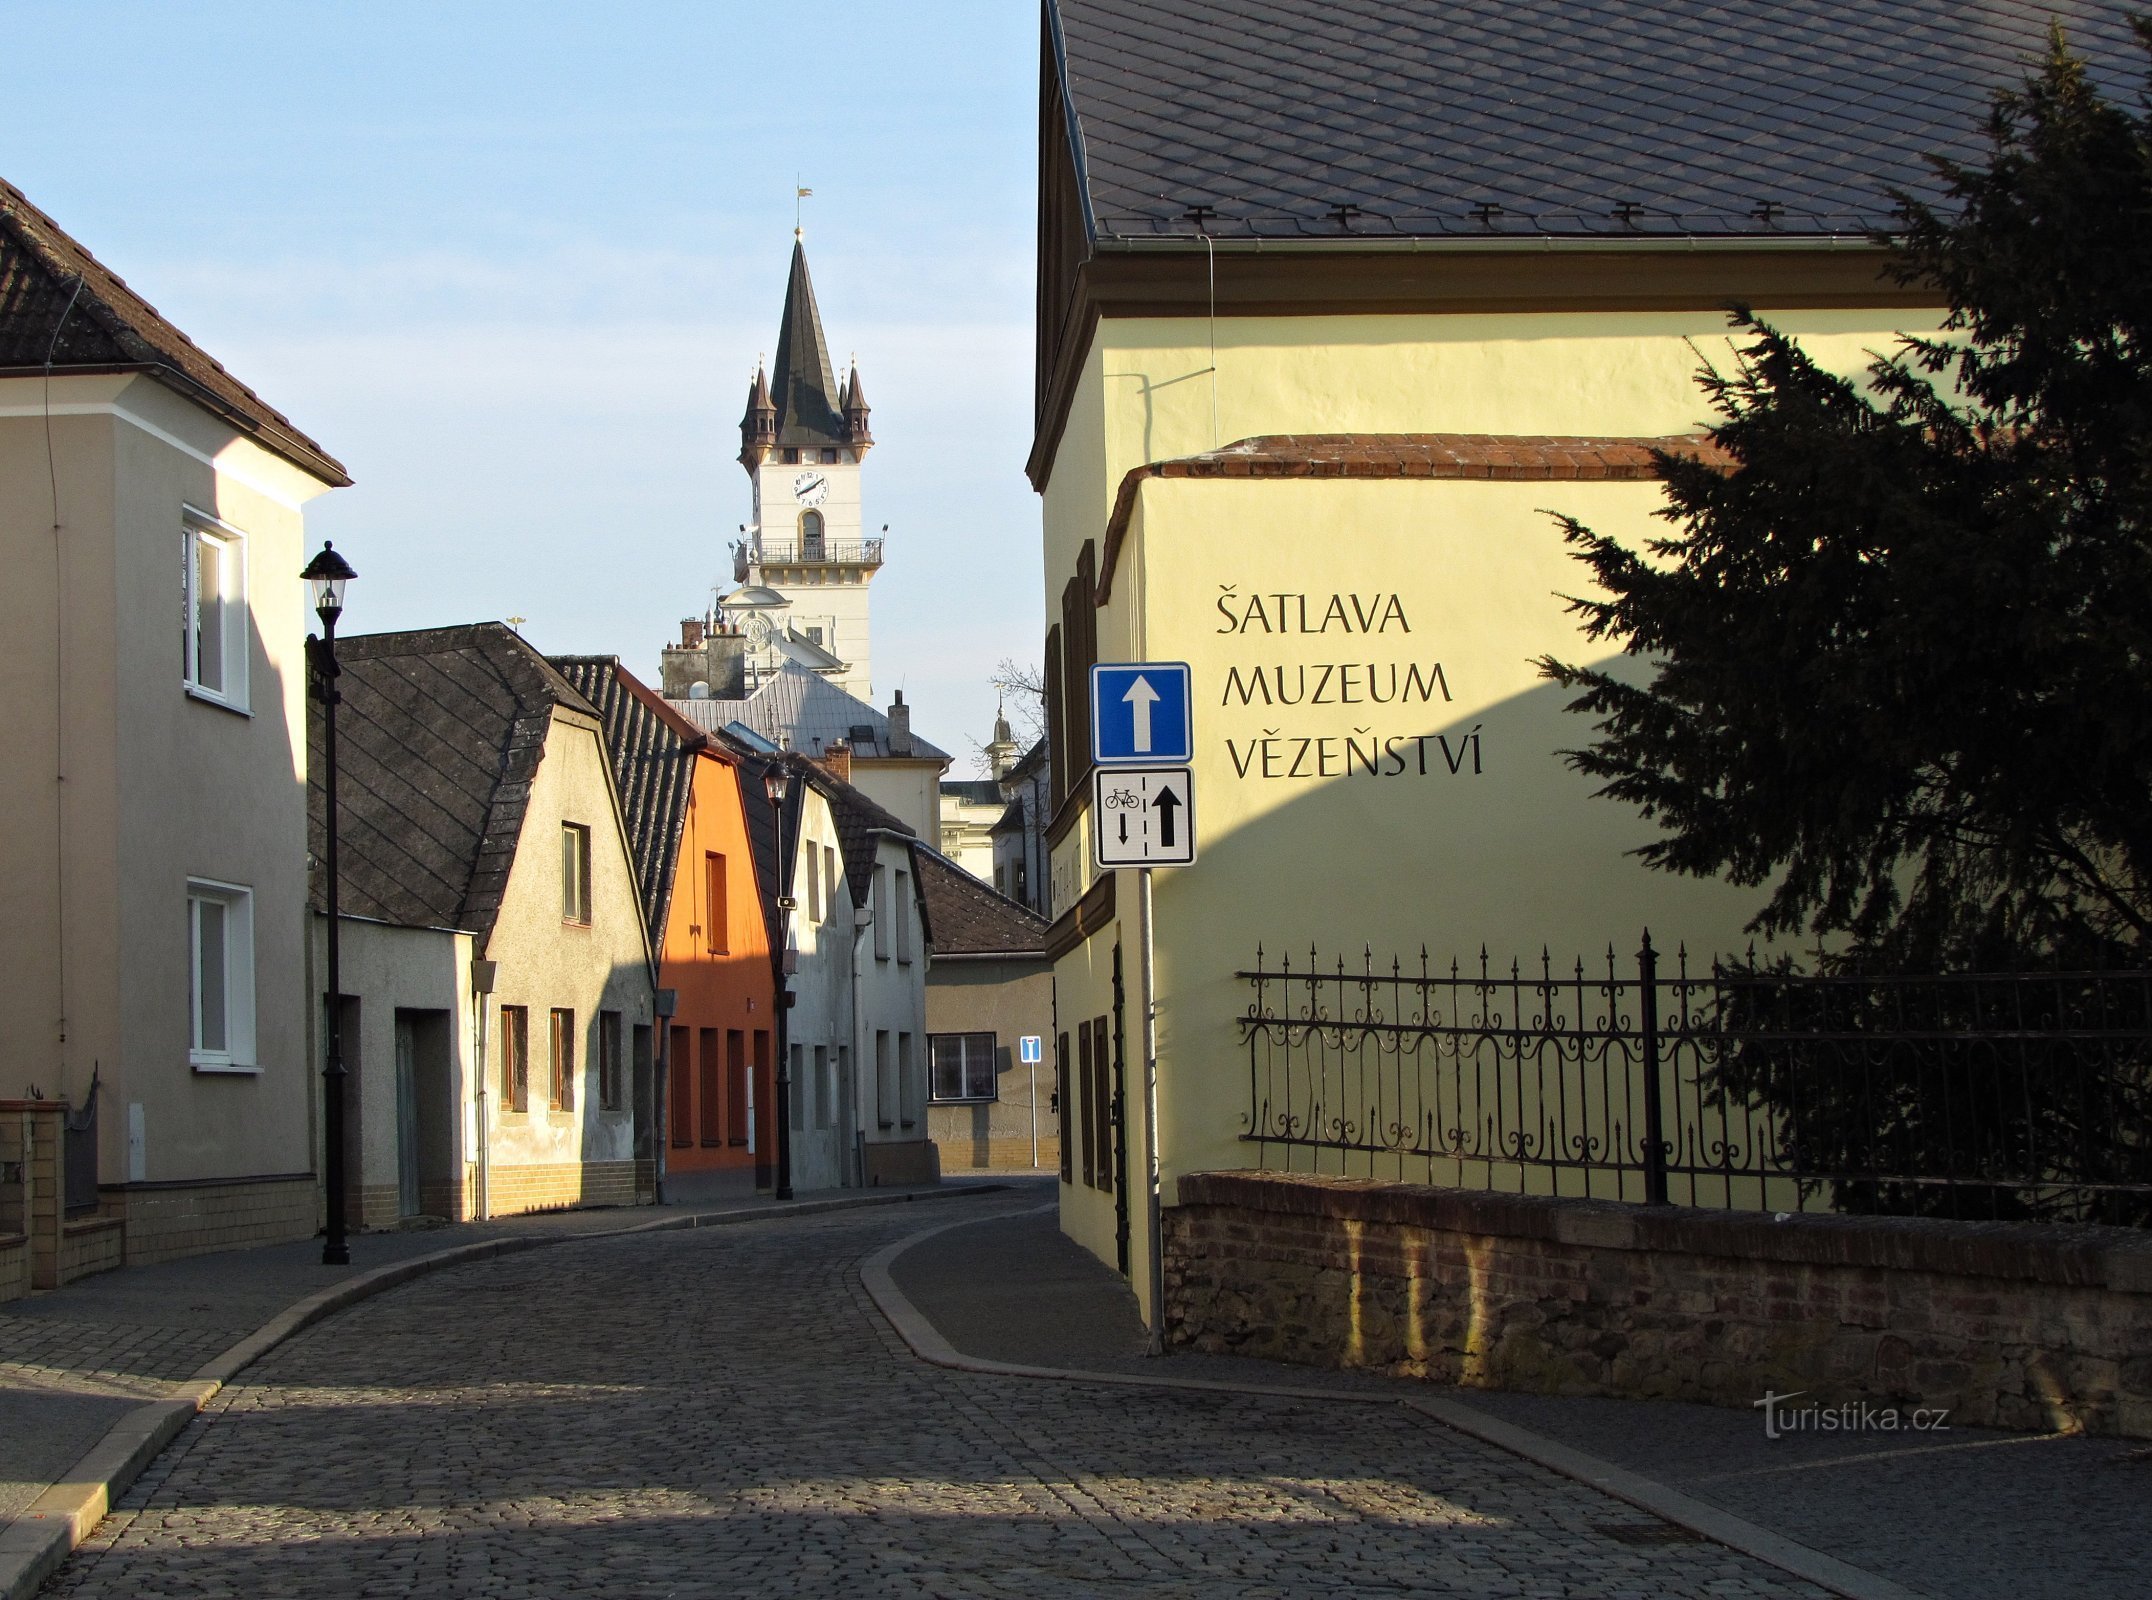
{"type": "Point", "coordinates": [483, 974]}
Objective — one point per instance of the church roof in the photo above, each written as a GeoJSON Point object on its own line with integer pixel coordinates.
{"type": "Point", "coordinates": [59, 303]}
{"type": "Point", "coordinates": [1360, 119]}
{"type": "Point", "coordinates": [804, 387]}
{"type": "Point", "coordinates": [806, 712]}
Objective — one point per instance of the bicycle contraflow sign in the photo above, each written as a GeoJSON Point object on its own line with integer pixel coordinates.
{"type": "Point", "coordinates": [1144, 816]}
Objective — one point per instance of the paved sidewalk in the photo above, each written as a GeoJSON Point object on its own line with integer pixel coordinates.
{"type": "Point", "coordinates": [74, 1361]}
{"type": "Point", "coordinates": [1971, 1514]}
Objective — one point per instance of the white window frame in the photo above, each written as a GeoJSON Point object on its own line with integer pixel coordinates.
{"type": "Point", "coordinates": [967, 1052]}
{"type": "Point", "coordinates": [234, 629]}
{"type": "Point", "coordinates": [237, 1054]}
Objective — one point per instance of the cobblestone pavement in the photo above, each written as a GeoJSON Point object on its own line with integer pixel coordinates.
{"type": "Point", "coordinates": [719, 1413]}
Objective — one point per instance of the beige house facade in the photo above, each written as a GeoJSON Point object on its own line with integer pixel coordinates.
{"type": "Point", "coordinates": [153, 868]}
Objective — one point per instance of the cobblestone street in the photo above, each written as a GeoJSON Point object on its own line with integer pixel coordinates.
{"type": "Point", "coordinates": [505, 1429]}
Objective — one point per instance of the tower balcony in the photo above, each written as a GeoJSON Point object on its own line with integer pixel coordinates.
{"type": "Point", "coordinates": [811, 552]}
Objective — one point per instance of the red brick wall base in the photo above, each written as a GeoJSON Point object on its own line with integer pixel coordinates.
{"type": "Point", "coordinates": [2008, 1325]}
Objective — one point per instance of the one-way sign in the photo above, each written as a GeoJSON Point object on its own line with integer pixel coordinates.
{"type": "Point", "coordinates": [1140, 713]}
{"type": "Point", "coordinates": [1143, 816]}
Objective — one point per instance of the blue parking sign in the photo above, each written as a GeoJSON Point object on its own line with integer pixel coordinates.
{"type": "Point", "coordinates": [1140, 713]}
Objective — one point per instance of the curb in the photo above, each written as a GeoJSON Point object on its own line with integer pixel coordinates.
{"type": "Point", "coordinates": [1827, 1572]}
{"type": "Point", "coordinates": [46, 1532]}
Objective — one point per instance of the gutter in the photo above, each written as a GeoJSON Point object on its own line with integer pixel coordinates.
{"type": "Point", "coordinates": [1497, 244]}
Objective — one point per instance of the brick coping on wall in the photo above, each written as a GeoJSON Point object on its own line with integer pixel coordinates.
{"type": "Point", "coordinates": [2081, 1256]}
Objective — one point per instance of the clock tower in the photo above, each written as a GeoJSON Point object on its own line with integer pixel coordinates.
{"type": "Point", "coordinates": [802, 441]}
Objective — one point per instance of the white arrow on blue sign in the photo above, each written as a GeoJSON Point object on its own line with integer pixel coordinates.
{"type": "Point", "coordinates": [1140, 713]}
{"type": "Point", "coordinates": [1030, 1050]}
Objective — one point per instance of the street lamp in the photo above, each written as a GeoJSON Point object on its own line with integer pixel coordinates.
{"type": "Point", "coordinates": [774, 783]}
{"type": "Point", "coordinates": [326, 576]}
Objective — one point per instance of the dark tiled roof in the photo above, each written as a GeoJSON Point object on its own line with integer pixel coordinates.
{"type": "Point", "coordinates": [439, 736]}
{"type": "Point", "coordinates": [654, 754]}
{"type": "Point", "coordinates": [969, 918]}
{"type": "Point", "coordinates": [804, 387]}
{"type": "Point", "coordinates": [1786, 118]}
{"type": "Point", "coordinates": [973, 791]}
{"type": "Point", "coordinates": [107, 327]}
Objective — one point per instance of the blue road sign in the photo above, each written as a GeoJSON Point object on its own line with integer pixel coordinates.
{"type": "Point", "coordinates": [1030, 1050]}
{"type": "Point", "coordinates": [1140, 713]}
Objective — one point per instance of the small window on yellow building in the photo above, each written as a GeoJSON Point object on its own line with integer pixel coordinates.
{"type": "Point", "coordinates": [575, 873]}
{"type": "Point", "coordinates": [715, 908]}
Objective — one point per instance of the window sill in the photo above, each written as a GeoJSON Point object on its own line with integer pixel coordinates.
{"type": "Point", "coordinates": [965, 1100]}
{"type": "Point", "coordinates": [576, 922]}
{"type": "Point", "coordinates": [225, 1069]}
{"type": "Point", "coordinates": [210, 697]}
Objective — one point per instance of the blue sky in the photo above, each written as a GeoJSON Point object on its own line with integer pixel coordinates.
{"type": "Point", "coordinates": [513, 263]}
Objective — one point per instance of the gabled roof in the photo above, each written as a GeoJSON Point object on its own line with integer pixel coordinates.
{"type": "Point", "coordinates": [59, 303]}
{"type": "Point", "coordinates": [653, 751]}
{"type": "Point", "coordinates": [439, 736]}
{"type": "Point", "coordinates": [970, 919]}
{"type": "Point", "coordinates": [804, 387]}
{"type": "Point", "coordinates": [804, 711]}
{"type": "Point", "coordinates": [1351, 120]}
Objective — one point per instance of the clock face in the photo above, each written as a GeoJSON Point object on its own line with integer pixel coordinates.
{"type": "Point", "coordinates": [809, 488]}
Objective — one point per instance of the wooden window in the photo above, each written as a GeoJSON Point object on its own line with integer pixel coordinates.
{"type": "Point", "coordinates": [885, 1096]}
{"type": "Point", "coordinates": [761, 1096]}
{"type": "Point", "coordinates": [962, 1065]}
{"type": "Point", "coordinates": [901, 914]}
{"type": "Point", "coordinates": [829, 877]}
{"type": "Point", "coordinates": [711, 1090]}
{"type": "Point", "coordinates": [1102, 1086]}
{"type": "Point", "coordinates": [562, 1094]}
{"type": "Point", "coordinates": [881, 912]}
{"type": "Point", "coordinates": [716, 909]}
{"type": "Point", "coordinates": [611, 1092]}
{"type": "Point", "coordinates": [907, 1082]}
{"type": "Point", "coordinates": [575, 873]}
{"type": "Point", "coordinates": [1079, 653]}
{"type": "Point", "coordinates": [736, 1086]}
{"type": "Point", "coordinates": [680, 1069]}
{"type": "Point", "coordinates": [1087, 1103]}
{"type": "Point", "coordinates": [814, 884]}
{"type": "Point", "coordinates": [516, 1057]}
{"type": "Point", "coordinates": [1057, 756]}
{"type": "Point", "coordinates": [1064, 1108]}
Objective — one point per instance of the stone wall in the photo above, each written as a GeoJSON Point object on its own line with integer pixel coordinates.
{"type": "Point", "coordinates": [14, 1267]}
{"type": "Point", "coordinates": [169, 1220]}
{"type": "Point", "coordinates": [91, 1244]}
{"type": "Point", "coordinates": [558, 1186]}
{"type": "Point", "coordinates": [2008, 1325]}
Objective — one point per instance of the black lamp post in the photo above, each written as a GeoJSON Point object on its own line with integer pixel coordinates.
{"type": "Point", "coordinates": [775, 782]}
{"type": "Point", "coordinates": [327, 574]}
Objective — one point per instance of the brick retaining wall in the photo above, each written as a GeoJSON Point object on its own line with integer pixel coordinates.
{"type": "Point", "coordinates": [167, 1221]}
{"type": "Point", "coordinates": [2009, 1325]}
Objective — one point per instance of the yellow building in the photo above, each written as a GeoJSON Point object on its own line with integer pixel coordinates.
{"type": "Point", "coordinates": [1330, 327]}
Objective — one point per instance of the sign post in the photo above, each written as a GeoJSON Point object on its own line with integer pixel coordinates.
{"type": "Point", "coordinates": [1143, 815]}
{"type": "Point", "coordinates": [1029, 1048]}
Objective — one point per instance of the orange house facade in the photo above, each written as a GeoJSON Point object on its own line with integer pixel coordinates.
{"type": "Point", "coordinates": [713, 1128]}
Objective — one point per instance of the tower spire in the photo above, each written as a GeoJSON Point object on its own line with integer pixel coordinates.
{"type": "Point", "coordinates": [802, 386]}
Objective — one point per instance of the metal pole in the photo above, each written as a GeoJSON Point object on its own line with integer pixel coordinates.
{"type": "Point", "coordinates": [1654, 1126]}
{"type": "Point", "coordinates": [1157, 1342]}
{"type": "Point", "coordinates": [335, 1252]}
{"type": "Point", "coordinates": [1031, 1077]}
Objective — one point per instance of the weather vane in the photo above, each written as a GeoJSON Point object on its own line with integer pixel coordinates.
{"type": "Point", "coordinates": [799, 193]}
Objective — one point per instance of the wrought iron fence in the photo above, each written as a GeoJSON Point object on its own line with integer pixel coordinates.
{"type": "Point", "coordinates": [1991, 1095]}
{"type": "Point", "coordinates": [81, 1154]}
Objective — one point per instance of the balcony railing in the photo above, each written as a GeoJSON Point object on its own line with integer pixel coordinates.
{"type": "Point", "coordinates": [819, 552]}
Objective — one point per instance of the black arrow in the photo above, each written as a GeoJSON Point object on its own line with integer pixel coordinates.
{"type": "Point", "coordinates": [1165, 805]}
{"type": "Point", "coordinates": [1124, 827]}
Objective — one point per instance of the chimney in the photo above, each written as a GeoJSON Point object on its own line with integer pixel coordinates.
{"type": "Point", "coordinates": [691, 633]}
{"type": "Point", "coordinates": [725, 664]}
{"type": "Point", "coordinates": [836, 760]}
{"type": "Point", "coordinates": [900, 726]}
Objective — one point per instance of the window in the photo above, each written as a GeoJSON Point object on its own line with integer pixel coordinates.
{"type": "Point", "coordinates": [814, 884]}
{"type": "Point", "coordinates": [829, 456]}
{"type": "Point", "coordinates": [220, 970]}
{"type": "Point", "coordinates": [763, 1075]}
{"type": "Point", "coordinates": [829, 877]}
{"type": "Point", "coordinates": [562, 1094]}
{"type": "Point", "coordinates": [885, 1092]}
{"type": "Point", "coordinates": [791, 454]}
{"type": "Point", "coordinates": [680, 1069]}
{"type": "Point", "coordinates": [716, 909]}
{"type": "Point", "coordinates": [1062, 1105]}
{"type": "Point", "coordinates": [825, 1089]}
{"type": "Point", "coordinates": [901, 914]}
{"type": "Point", "coordinates": [736, 1085]}
{"type": "Point", "coordinates": [962, 1065]}
{"type": "Point", "coordinates": [575, 873]}
{"type": "Point", "coordinates": [907, 1084]}
{"type": "Point", "coordinates": [811, 538]}
{"type": "Point", "coordinates": [881, 912]}
{"type": "Point", "coordinates": [610, 1096]}
{"type": "Point", "coordinates": [712, 1089]}
{"type": "Point", "coordinates": [1108, 1109]}
{"type": "Point", "coordinates": [215, 611]}
{"type": "Point", "coordinates": [516, 1057]}
{"type": "Point", "coordinates": [801, 1088]}
{"type": "Point", "coordinates": [1087, 1103]}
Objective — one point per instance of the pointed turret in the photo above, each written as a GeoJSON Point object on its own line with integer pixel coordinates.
{"type": "Point", "coordinates": [803, 387]}
{"type": "Point", "coordinates": [758, 425]}
{"type": "Point", "coordinates": [856, 433]}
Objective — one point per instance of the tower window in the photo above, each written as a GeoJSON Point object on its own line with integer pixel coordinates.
{"type": "Point", "coordinates": [829, 458]}
{"type": "Point", "coordinates": [811, 536]}
{"type": "Point", "coordinates": [791, 454]}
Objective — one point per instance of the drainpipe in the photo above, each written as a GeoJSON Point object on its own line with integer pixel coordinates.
{"type": "Point", "coordinates": [483, 974]}
{"type": "Point", "coordinates": [862, 920]}
{"type": "Point", "coordinates": [664, 1009]}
